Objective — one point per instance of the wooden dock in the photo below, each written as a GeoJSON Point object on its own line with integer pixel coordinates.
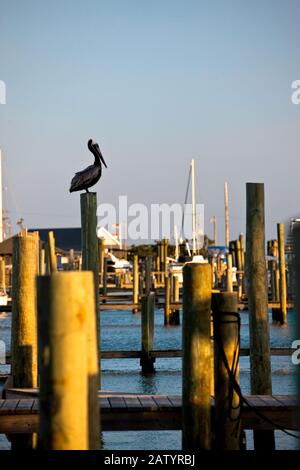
{"type": "Point", "coordinates": [132, 412]}
{"type": "Point", "coordinates": [124, 305]}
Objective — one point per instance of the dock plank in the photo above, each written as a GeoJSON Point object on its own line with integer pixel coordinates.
{"type": "Point", "coordinates": [148, 403]}
{"type": "Point", "coordinates": [125, 412]}
{"type": "Point", "coordinates": [24, 406]}
{"type": "Point", "coordinates": [9, 407]}
{"type": "Point", "coordinates": [117, 403]}
{"type": "Point", "coordinates": [163, 402]}
{"type": "Point", "coordinates": [133, 403]}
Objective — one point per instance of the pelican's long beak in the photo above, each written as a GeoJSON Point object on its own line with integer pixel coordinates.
{"type": "Point", "coordinates": [98, 151]}
{"type": "Point", "coordinates": [102, 159]}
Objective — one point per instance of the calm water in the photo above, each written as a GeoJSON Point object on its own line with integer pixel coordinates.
{"type": "Point", "coordinates": [121, 331]}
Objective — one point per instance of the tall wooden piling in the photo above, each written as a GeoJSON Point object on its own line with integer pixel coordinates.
{"type": "Point", "coordinates": [2, 275]}
{"type": "Point", "coordinates": [24, 324]}
{"type": "Point", "coordinates": [226, 343]}
{"type": "Point", "coordinates": [196, 365]}
{"type": "Point", "coordinates": [101, 258]}
{"type": "Point", "coordinates": [242, 246]}
{"type": "Point", "coordinates": [176, 297]}
{"type": "Point", "coordinates": [135, 284]}
{"type": "Point", "coordinates": [104, 278]}
{"type": "Point", "coordinates": [282, 271]}
{"type": "Point", "coordinates": [229, 283]}
{"type": "Point", "coordinates": [24, 370]}
{"type": "Point", "coordinates": [260, 362]}
{"type": "Point", "coordinates": [89, 241]}
{"type": "Point", "coordinates": [148, 305]}
{"type": "Point", "coordinates": [51, 252]}
{"type": "Point", "coordinates": [67, 362]}
{"type": "Point", "coordinates": [239, 268]}
{"type": "Point", "coordinates": [42, 260]}
{"type": "Point", "coordinates": [148, 279]}
{"type": "Point", "coordinates": [167, 310]}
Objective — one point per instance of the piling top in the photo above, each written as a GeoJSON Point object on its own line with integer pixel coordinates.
{"type": "Point", "coordinates": [225, 302]}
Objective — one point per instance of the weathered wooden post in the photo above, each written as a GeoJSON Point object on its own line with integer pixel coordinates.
{"type": "Point", "coordinates": [24, 323]}
{"type": "Point", "coordinates": [51, 252]}
{"type": "Point", "coordinates": [196, 366]}
{"type": "Point", "coordinates": [101, 258]}
{"type": "Point", "coordinates": [135, 282]}
{"type": "Point", "coordinates": [148, 281]}
{"type": "Point", "coordinates": [226, 341]}
{"type": "Point", "coordinates": [176, 298]}
{"type": "Point", "coordinates": [42, 269]}
{"type": "Point", "coordinates": [2, 274]}
{"type": "Point", "coordinates": [166, 248]}
{"type": "Point", "coordinates": [232, 252]}
{"type": "Point", "coordinates": [212, 264]}
{"type": "Point", "coordinates": [67, 362]}
{"type": "Point", "coordinates": [148, 304]}
{"type": "Point", "coordinates": [260, 362]}
{"type": "Point", "coordinates": [104, 279]}
{"type": "Point", "coordinates": [24, 370]}
{"type": "Point", "coordinates": [239, 268]}
{"type": "Point", "coordinates": [282, 270]}
{"type": "Point", "coordinates": [167, 311]}
{"type": "Point", "coordinates": [89, 242]}
{"type": "Point", "coordinates": [71, 263]}
{"type": "Point", "coordinates": [229, 284]}
{"type": "Point", "coordinates": [242, 246]}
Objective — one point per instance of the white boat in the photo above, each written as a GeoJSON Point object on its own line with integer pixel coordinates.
{"type": "Point", "coordinates": [117, 265]}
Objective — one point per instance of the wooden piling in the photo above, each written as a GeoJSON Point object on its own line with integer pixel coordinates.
{"type": "Point", "coordinates": [176, 297]}
{"type": "Point", "coordinates": [148, 304]}
{"type": "Point", "coordinates": [42, 267]}
{"type": "Point", "coordinates": [260, 363]}
{"type": "Point", "coordinates": [229, 283]}
{"type": "Point", "coordinates": [2, 275]}
{"type": "Point", "coordinates": [196, 365]}
{"type": "Point", "coordinates": [89, 242]}
{"type": "Point", "coordinates": [226, 343]}
{"type": "Point", "coordinates": [239, 268]}
{"type": "Point", "coordinates": [148, 280]}
{"type": "Point", "coordinates": [282, 270]}
{"type": "Point", "coordinates": [24, 370]}
{"type": "Point", "coordinates": [101, 258]}
{"type": "Point", "coordinates": [167, 311]}
{"type": "Point", "coordinates": [65, 302]}
{"type": "Point", "coordinates": [51, 252]}
{"type": "Point", "coordinates": [135, 293]}
{"type": "Point", "coordinates": [212, 264]}
{"type": "Point", "coordinates": [104, 279]}
{"type": "Point", "coordinates": [24, 327]}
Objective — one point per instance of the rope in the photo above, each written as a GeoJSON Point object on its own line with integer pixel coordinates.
{"type": "Point", "coordinates": [234, 385]}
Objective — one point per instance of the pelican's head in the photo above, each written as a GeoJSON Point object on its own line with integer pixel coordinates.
{"type": "Point", "coordinates": [95, 149]}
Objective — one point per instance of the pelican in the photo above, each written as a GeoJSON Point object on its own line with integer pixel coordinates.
{"type": "Point", "coordinates": [89, 176]}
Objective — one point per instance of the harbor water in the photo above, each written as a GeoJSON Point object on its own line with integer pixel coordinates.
{"type": "Point", "coordinates": [121, 330]}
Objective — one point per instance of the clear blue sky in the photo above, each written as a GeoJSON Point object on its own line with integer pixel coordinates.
{"type": "Point", "coordinates": [155, 83]}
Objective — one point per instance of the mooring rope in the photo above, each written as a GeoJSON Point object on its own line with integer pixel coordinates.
{"type": "Point", "coordinates": [232, 371]}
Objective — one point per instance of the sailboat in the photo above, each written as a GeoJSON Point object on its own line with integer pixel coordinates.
{"type": "Point", "coordinates": [176, 264]}
{"type": "Point", "coordinates": [3, 293]}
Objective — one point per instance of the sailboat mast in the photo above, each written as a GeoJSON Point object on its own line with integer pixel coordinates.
{"type": "Point", "coordinates": [1, 208]}
{"type": "Point", "coordinates": [226, 214]}
{"type": "Point", "coordinates": [193, 206]}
